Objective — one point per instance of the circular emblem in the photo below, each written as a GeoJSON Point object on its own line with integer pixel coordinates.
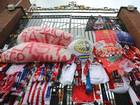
{"type": "Point", "coordinates": [83, 47]}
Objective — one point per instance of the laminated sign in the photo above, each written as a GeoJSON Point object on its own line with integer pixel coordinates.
{"type": "Point", "coordinates": [81, 48]}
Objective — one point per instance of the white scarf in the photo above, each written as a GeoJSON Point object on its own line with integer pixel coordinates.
{"type": "Point", "coordinates": [67, 75]}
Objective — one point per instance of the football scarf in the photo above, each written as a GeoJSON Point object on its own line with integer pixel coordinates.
{"type": "Point", "coordinates": [97, 92]}
{"type": "Point", "coordinates": [55, 72]}
{"type": "Point", "coordinates": [37, 74]}
{"type": "Point", "coordinates": [6, 85]}
{"type": "Point", "coordinates": [132, 53]}
{"type": "Point", "coordinates": [136, 50]}
{"type": "Point", "coordinates": [109, 66]}
{"type": "Point", "coordinates": [43, 94]}
{"type": "Point", "coordinates": [36, 52]}
{"type": "Point", "coordinates": [19, 99]}
{"type": "Point", "coordinates": [104, 95]}
{"type": "Point", "coordinates": [47, 96]}
{"type": "Point", "coordinates": [15, 68]}
{"type": "Point", "coordinates": [126, 65]}
{"type": "Point", "coordinates": [134, 79]}
{"type": "Point", "coordinates": [88, 84]}
{"type": "Point", "coordinates": [21, 82]}
{"type": "Point", "coordinates": [68, 72]}
{"type": "Point", "coordinates": [110, 51]}
{"type": "Point", "coordinates": [109, 36]}
{"type": "Point", "coordinates": [45, 35]}
{"type": "Point", "coordinates": [36, 95]}
{"type": "Point", "coordinates": [134, 98]}
{"type": "Point", "coordinates": [55, 98]}
{"type": "Point", "coordinates": [29, 86]}
{"type": "Point", "coordinates": [99, 23]}
{"type": "Point", "coordinates": [124, 38]}
{"type": "Point", "coordinates": [67, 75]}
{"type": "Point", "coordinates": [79, 94]}
{"type": "Point", "coordinates": [32, 94]}
{"type": "Point", "coordinates": [42, 74]}
{"type": "Point", "coordinates": [119, 83]}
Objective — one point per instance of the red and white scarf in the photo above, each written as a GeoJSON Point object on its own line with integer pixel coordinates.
{"type": "Point", "coordinates": [37, 92]}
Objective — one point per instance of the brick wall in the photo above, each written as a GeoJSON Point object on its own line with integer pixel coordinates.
{"type": "Point", "coordinates": [9, 20]}
{"type": "Point", "coordinates": [4, 3]}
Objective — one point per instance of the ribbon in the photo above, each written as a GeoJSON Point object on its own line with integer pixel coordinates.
{"type": "Point", "coordinates": [86, 73]}
{"type": "Point", "coordinates": [86, 68]}
{"type": "Point", "coordinates": [88, 84]}
{"type": "Point", "coordinates": [79, 71]}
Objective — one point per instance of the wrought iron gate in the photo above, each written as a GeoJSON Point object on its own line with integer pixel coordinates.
{"type": "Point", "coordinates": [73, 24]}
